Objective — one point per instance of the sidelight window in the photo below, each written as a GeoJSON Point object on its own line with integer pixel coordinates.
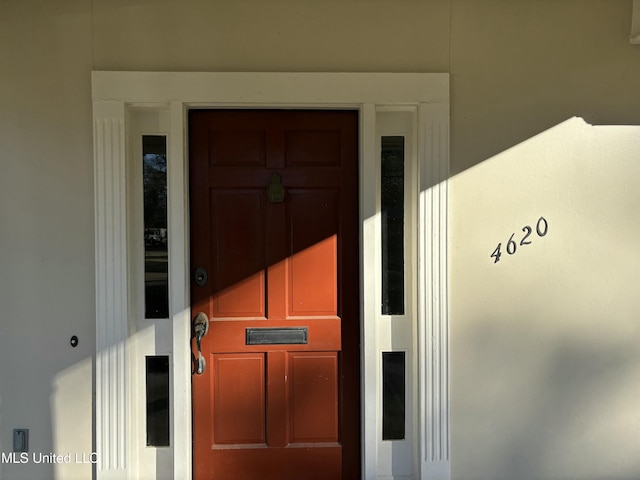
{"type": "Point", "coordinates": [392, 209]}
{"type": "Point", "coordinates": [157, 393]}
{"type": "Point", "coordinates": [156, 259]}
{"type": "Point", "coordinates": [393, 395]}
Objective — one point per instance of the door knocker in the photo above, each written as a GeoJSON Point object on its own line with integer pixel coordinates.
{"type": "Point", "coordinates": [275, 190]}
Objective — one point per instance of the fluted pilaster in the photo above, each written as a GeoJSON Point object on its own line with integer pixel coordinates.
{"type": "Point", "coordinates": [433, 284]}
{"type": "Point", "coordinates": [111, 289]}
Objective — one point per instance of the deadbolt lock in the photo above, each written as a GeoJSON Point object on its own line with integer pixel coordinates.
{"type": "Point", "coordinates": [200, 276]}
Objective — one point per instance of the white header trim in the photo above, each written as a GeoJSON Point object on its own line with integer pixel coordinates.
{"type": "Point", "coordinates": [272, 88]}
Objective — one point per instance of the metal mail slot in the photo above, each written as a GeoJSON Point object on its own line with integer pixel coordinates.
{"type": "Point", "coordinates": [277, 336]}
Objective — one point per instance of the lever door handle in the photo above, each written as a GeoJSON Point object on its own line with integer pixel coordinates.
{"type": "Point", "coordinates": [200, 329]}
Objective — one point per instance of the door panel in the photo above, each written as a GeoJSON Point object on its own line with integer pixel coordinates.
{"type": "Point", "coordinates": [237, 147]}
{"type": "Point", "coordinates": [313, 272]}
{"type": "Point", "coordinates": [278, 463]}
{"type": "Point", "coordinates": [312, 280]}
{"type": "Point", "coordinates": [279, 398]}
{"type": "Point", "coordinates": [238, 253]}
{"type": "Point", "coordinates": [313, 147]}
{"type": "Point", "coordinates": [238, 399]}
{"type": "Point", "coordinates": [314, 397]}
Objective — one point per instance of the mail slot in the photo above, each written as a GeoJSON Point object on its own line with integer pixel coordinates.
{"type": "Point", "coordinates": [277, 336]}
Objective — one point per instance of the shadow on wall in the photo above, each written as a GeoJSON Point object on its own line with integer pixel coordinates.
{"type": "Point", "coordinates": [51, 417]}
{"type": "Point", "coordinates": [549, 408]}
{"type": "Point", "coordinates": [45, 383]}
{"type": "Point", "coordinates": [81, 455]}
{"type": "Point", "coordinates": [545, 364]}
{"type": "Point", "coordinates": [534, 64]}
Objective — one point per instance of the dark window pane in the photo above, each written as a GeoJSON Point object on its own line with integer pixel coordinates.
{"type": "Point", "coordinates": [156, 259]}
{"type": "Point", "coordinates": [392, 208]}
{"type": "Point", "coordinates": [393, 396]}
{"type": "Point", "coordinates": [158, 401]}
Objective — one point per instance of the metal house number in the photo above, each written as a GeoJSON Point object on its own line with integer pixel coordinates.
{"type": "Point", "coordinates": [542, 227]}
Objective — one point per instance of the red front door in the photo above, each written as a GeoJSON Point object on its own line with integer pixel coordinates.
{"type": "Point", "coordinates": [274, 248]}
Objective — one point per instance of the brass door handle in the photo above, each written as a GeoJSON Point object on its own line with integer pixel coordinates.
{"type": "Point", "coordinates": [200, 329]}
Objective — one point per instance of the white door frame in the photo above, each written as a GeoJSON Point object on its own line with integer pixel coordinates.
{"type": "Point", "coordinates": [119, 334]}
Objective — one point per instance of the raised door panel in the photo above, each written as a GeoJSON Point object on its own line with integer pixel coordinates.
{"type": "Point", "coordinates": [238, 253]}
{"type": "Point", "coordinates": [239, 402]}
{"type": "Point", "coordinates": [314, 148]}
{"type": "Point", "coordinates": [313, 267]}
{"type": "Point", "coordinates": [237, 148]}
{"type": "Point", "coordinates": [314, 397]}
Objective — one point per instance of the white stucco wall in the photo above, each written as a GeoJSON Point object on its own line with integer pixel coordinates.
{"type": "Point", "coordinates": [543, 367]}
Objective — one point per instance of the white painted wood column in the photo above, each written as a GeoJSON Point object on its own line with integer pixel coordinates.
{"type": "Point", "coordinates": [112, 421]}
{"type": "Point", "coordinates": [369, 353]}
{"type": "Point", "coordinates": [179, 301]}
{"type": "Point", "coordinates": [433, 315]}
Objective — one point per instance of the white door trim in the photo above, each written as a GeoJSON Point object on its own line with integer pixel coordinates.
{"type": "Point", "coordinates": [115, 95]}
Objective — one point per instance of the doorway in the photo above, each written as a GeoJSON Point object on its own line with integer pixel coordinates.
{"type": "Point", "coordinates": [275, 270]}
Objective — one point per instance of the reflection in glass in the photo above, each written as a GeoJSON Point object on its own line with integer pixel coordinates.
{"type": "Point", "coordinates": [156, 264]}
{"type": "Point", "coordinates": [157, 392]}
{"type": "Point", "coordinates": [392, 209]}
{"type": "Point", "coordinates": [393, 396]}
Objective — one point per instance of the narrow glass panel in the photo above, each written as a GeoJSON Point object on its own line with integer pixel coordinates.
{"type": "Point", "coordinates": [157, 383]}
{"type": "Point", "coordinates": [392, 208]}
{"type": "Point", "coordinates": [393, 396]}
{"type": "Point", "coordinates": [156, 260]}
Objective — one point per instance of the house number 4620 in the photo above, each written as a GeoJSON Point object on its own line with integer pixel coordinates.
{"type": "Point", "coordinates": [542, 227]}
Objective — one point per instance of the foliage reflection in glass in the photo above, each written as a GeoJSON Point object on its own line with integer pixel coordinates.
{"type": "Point", "coordinates": [156, 265]}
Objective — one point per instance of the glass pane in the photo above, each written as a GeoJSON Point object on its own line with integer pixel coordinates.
{"type": "Point", "coordinates": [157, 384]}
{"type": "Point", "coordinates": [156, 264]}
{"type": "Point", "coordinates": [393, 396]}
{"type": "Point", "coordinates": [392, 209]}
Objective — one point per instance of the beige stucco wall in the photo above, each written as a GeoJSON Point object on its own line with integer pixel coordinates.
{"type": "Point", "coordinates": [545, 365]}
{"type": "Point", "coordinates": [544, 373]}
{"type": "Point", "coordinates": [46, 232]}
